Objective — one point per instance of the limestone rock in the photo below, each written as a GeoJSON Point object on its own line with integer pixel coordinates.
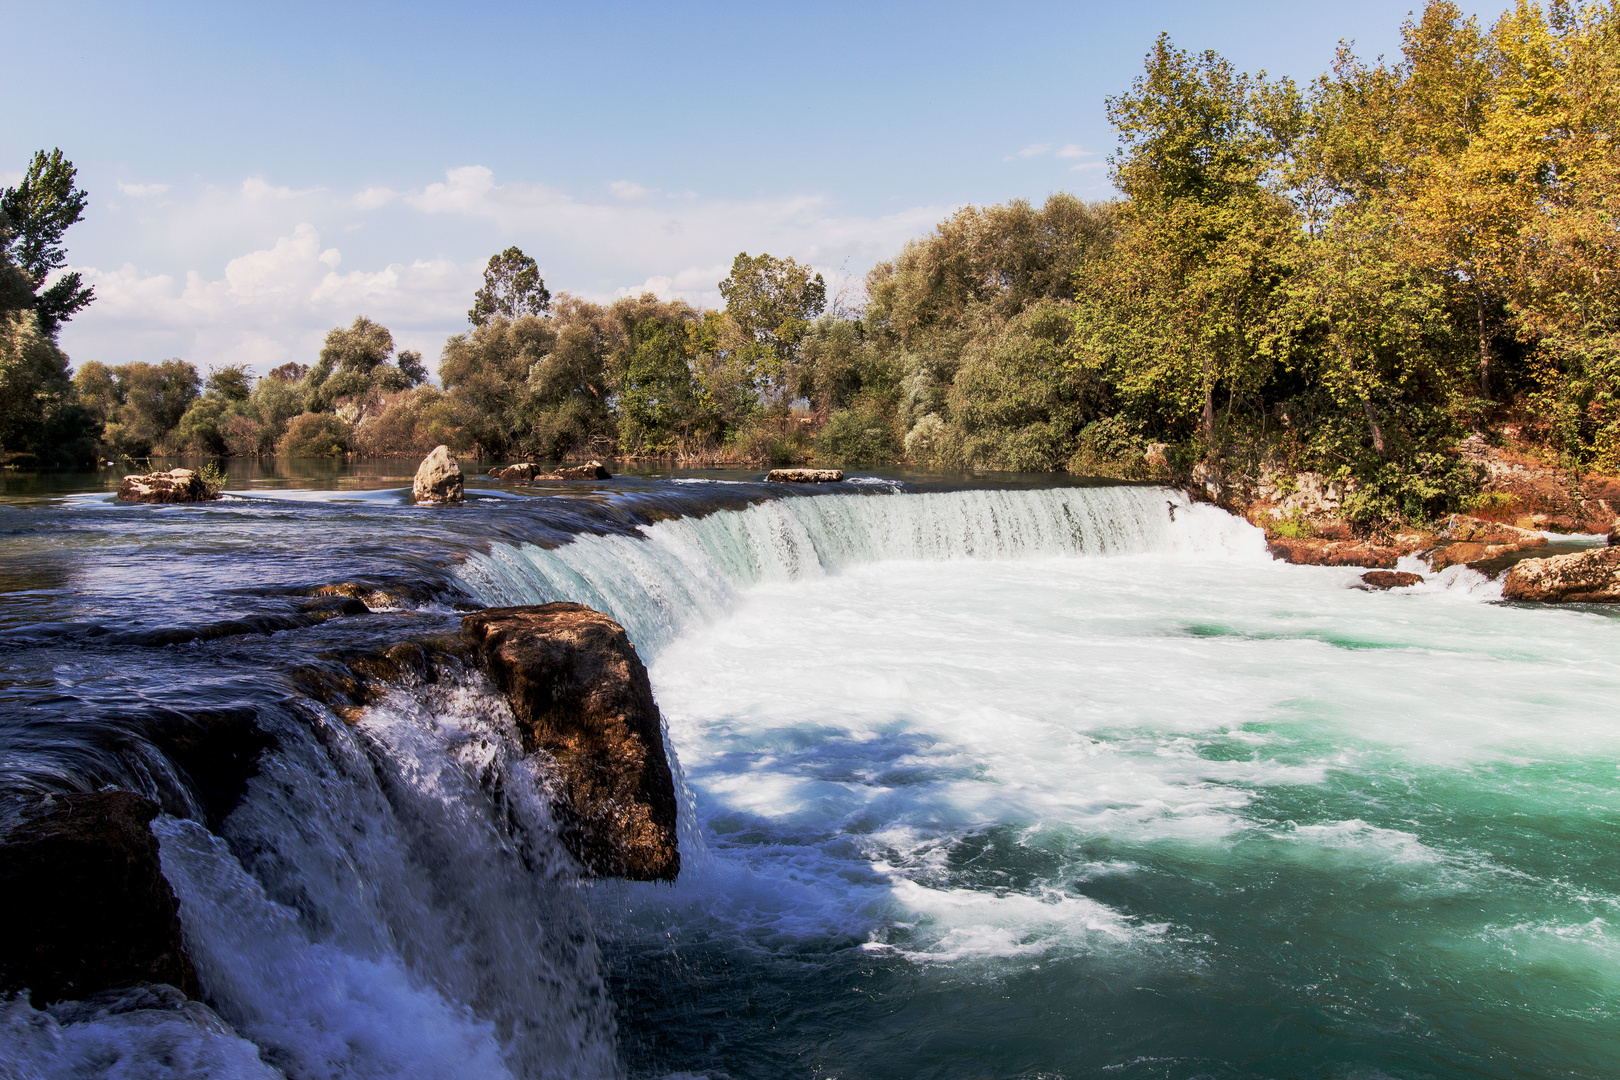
{"type": "Point", "coordinates": [1462, 529]}
{"type": "Point", "coordinates": [1587, 577]}
{"type": "Point", "coordinates": [438, 480]}
{"type": "Point", "coordinates": [526, 470]}
{"type": "Point", "coordinates": [804, 476]}
{"type": "Point", "coordinates": [88, 906]}
{"type": "Point", "coordinates": [1390, 579]}
{"type": "Point", "coordinates": [1318, 552]}
{"type": "Point", "coordinates": [580, 693]}
{"type": "Point", "coordinates": [174, 486]}
{"type": "Point", "coordinates": [591, 470]}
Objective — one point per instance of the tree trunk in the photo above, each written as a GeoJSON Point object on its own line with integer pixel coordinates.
{"type": "Point", "coordinates": [1484, 344]}
{"type": "Point", "coordinates": [1209, 410]}
{"type": "Point", "coordinates": [1372, 423]}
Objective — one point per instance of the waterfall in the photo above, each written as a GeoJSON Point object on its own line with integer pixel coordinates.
{"type": "Point", "coordinates": [671, 573]}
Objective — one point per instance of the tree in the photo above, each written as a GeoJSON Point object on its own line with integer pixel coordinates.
{"type": "Point", "coordinates": [512, 289]}
{"type": "Point", "coordinates": [770, 302]}
{"type": "Point", "coordinates": [233, 382]}
{"type": "Point", "coordinates": [357, 359]}
{"type": "Point", "coordinates": [36, 213]}
{"type": "Point", "coordinates": [1185, 300]}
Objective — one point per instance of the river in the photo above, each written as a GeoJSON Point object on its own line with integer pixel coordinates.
{"type": "Point", "coordinates": [976, 779]}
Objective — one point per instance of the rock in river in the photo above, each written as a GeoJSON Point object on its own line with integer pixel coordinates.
{"type": "Point", "coordinates": [439, 478]}
{"type": "Point", "coordinates": [174, 486]}
{"type": "Point", "coordinates": [580, 693]}
{"type": "Point", "coordinates": [1390, 579]}
{"type": "Point", "coordinates": [88, 908]}
{"type": "Point", "coordinates": [804, 476]}
{"type": "Point", "coordinates": [1585, 577]}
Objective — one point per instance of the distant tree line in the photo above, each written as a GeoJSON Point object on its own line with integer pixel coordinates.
{"type": "Point", "coordinates": [1347, 276]}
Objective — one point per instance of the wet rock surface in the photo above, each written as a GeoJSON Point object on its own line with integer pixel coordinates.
{"type": "Point", "coordinates": [1320, 552]}
{"type": "Point", "coordinates": [1589, 577]}
{"type": "Point", "coordinates": [804, 476]}
{"type": "Point", "coordinates": [581, 694]}
{"type": "Point", "coordinates": [438, 479]}
{"type": "Point", "coordinates": [527, 471]}
{"type": "Point", "coordinates": [174, 486]}
{"type": "Point", "coordinates": [1390, 579]}
{"type": "Point", "coordinates": [88, 907]}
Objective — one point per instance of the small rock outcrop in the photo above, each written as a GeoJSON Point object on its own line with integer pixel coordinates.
{"type": "Point", "coordinates": [1585, 577]}
{"type": "Point", "coordinates": [174, 486]}
{"type": "Point", "coordinates": [1319, 552]}
{"type": "Point", "coordinates": [88, 908]}
{"type": "Point", "coordinates": [438, 480]}
{"type": "Point", "coordinates": [804, 476]}
{"type": "Point", "coordinates": [580, 693]}
{"type": "Point", "coordinates": [1390, 579]}
{"type": "Point", "coordinates": [528, 470]}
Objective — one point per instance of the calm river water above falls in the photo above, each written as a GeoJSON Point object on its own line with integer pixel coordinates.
{"type": "Point", "coordinates": [1015, 781]}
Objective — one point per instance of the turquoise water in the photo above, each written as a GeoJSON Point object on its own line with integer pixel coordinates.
{"type": "Point", "coordinates": [1166, 815]}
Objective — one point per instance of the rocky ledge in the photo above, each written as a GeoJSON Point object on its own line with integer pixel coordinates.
{"type": "Point", "coordinates": [1585, 577]}
{"type": "Point", "coordinates": [88, 908]}
{"type": "Point", "coordinates": [174, 486]}
{"type": "Point", "coordinates": [804, 476]}
{"type": "Point", "coordinates": [526, 471]}
{"type": "Point", "coordinates": [580, 693]}
{"type": "Point", "coordinates": [438, 479]}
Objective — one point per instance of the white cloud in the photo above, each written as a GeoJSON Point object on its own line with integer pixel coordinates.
{"type": "Point", "coordinates": [624, 189]}
{"type": "Point", "coordinates": [256, 188]}
{"type": "Point", "coordinates": [1074, 151]}
{"type": "Point", "coordinates": [1085, 165]}
{"type": "Point", "coordinates": [141, 191]}
{"type": "Point", "coordinates": [1033, 150]}
{"type": "Point", "coordinates": [373, 198]}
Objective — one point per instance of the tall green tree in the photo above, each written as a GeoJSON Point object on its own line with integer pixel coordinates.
{"type": "Point", "coordinates": [770, 302]}
{"type": "Point", "coordinates": [512, 289]}
{"type": "Point", "coordinates": [1184, 303]}
{"type": "Point", "coordinates": [34, 216]}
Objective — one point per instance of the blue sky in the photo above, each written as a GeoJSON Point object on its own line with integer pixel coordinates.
{"type": "Point", "coordinates": [261, 173]}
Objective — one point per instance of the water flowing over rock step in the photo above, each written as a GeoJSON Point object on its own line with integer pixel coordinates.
{"type": "Point", "coordinates": [580, 696]}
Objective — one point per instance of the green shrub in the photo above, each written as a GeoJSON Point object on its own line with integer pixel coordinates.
{"type": "Point", "coordinates": [859, 436]}
{"type": "Point", "coordinates": [315, 435]}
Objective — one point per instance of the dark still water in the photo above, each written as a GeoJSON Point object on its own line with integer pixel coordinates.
{"type": "Point", "coordinates": [978, 780]}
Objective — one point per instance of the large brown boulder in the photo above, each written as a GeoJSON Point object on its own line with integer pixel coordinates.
{"type": "Point", "coordinates": [438, 480]}
{"type": "Point", "coordinates": [526, 470]}
{"type": "Point", "coordinates": [87, 906]}
{"type": "Point", "coordinates": [580, 693]}
{"type": "Point", "coordinates": [174, 486]}
{"type": "Point", "coordinates": [1586, 577]}
{"type": "Point", "coordinates": [591, 470]}
{"type": "Point", "coordinates": [804, 476]}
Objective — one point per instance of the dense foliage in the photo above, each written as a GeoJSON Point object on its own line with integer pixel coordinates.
{"type": "Point", "coordinates": [1347, 277]}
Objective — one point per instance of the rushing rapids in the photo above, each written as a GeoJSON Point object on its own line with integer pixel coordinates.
{"type": "Point", "coordinates": [1059, 781]}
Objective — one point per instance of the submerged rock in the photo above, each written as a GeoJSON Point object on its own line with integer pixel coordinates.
{"type": "Point", "coordinates": [438, 480]}
{"type": "Point", "coordinates": [580, 693]}
{"type": "Point", "coordinates": [1390, 579]}
{"type": "Point", "coordinates": [1585, 577]}
{"type": "Point", "coordinates": [528, 470]}
{"type": "Point", "coordinates": [88, 906]}
{"type": "Point", "coordinates": [804, 476]}
{"type": "Point", "coordinates": [174, 486]}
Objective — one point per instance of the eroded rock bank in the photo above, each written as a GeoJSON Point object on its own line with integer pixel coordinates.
{"type": "Point", "coordinates": [580, 693]}
{"type": "Point", "coordinates": [1583, 577]}
{"type": "Point", "coordinates": [88, 908]}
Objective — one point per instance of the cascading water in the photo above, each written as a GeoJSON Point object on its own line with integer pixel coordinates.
{"type": "Point", "coordinates": [692, 568]}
